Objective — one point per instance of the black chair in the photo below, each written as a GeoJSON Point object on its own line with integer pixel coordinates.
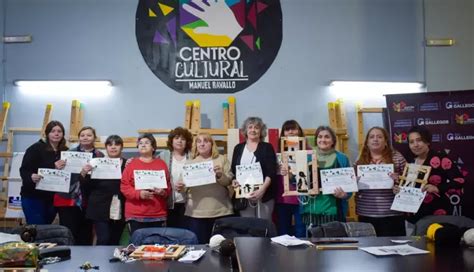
{"type": "Point", "coordinates": [339, 229]}
{"type": "Point", "coordinates": [163, 236]}
{"type": "Point", "coordinates": [231, 227]}
{"type": "Point", "coordinates": [57, 234]}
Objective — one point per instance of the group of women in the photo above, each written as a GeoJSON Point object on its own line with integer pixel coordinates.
{"type": "Point", "coordinates": [87, 205]}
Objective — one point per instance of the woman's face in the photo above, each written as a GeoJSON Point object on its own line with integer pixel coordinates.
{"type": "Point", "coordinates": [253, 132]}
{"type": "Point", "coordinates": [291, 132]}
{"type": "Point", "coordinates": [55, 135]}
{"type": "Point", "coordinates": [86, 138]}
{"type": "Point", "coordinates": [114, 150]}
{"type": "Point", "coordinates": [324, 140]}
{"type": "Point", "coordinates": [179, 143]}
{"type": "Point", "coordinates": [417, 145]}
{"type": "Point", "coordinates": [144, 147]}
{"type": "Point", "coordinates": [376, 140]}
{"type": "Point", "coordinates": [204, 146]}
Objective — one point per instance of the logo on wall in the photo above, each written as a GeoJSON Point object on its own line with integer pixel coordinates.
{"type": "Point", "coordinates": [402, 107]}
{"type": "Point", "coordinates": [458, 105]}
{"type": "Point", "coordinates": [400, 137]}
{"type": "Point", "coordinates": [464, 119]}
{"type": "Point", "coordinates": [209, 46]}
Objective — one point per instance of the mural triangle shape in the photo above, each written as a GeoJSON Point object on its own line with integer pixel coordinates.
{"type": "Point", "coordinates": [261, 6]}
{"type": "Point", "coordinates": [151, 13]}
{"type": "Point", "coordinates": [257, 43]}
{"type": "Point", "coordinates": [252, 16]}
{"type": "Point", "coordinates": [165, 9]}
{"type": "Point", "coordinates": [158, 38]}
{"type": "Point", "coordinates": [248, 40]}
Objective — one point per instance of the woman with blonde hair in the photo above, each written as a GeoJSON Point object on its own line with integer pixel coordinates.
{"type": "Point", "coordinates": [373, 206]}
{"type": "Point", "coordinates": [207, 203]}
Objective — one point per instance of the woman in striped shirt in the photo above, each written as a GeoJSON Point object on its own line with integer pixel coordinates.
{"type": "Point", "coordinates": [373, 206]}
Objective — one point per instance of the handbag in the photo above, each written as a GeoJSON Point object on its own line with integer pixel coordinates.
{"type": "Point", "coordinates": [239, 203]}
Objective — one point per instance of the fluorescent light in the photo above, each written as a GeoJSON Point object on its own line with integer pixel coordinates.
{"type": "Point", "coordinates": [66, 88]}
{"type": "Point", "coordinates": [370, 88]}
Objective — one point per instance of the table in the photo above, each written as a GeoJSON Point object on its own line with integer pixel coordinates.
{"type": "Point", "coordinates": [260, 254]}
{"type": "Point", "coordinates": [100, 255]}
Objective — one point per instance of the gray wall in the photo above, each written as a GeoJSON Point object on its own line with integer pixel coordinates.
{"type": "Point", "coordinates": [450, 68]}
{"type": "Point", "coordinates": [323, 40]}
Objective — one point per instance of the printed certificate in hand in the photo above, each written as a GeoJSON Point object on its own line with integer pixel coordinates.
{"type": "Point", "coordinates": [409, 199]}
{"type": "Point", "coordinates": [106, 168]}
{"type": "Point", "coordinates": [197, 174]}
{"type": "Point", "coordinates": [150, 179]}
{"type": "Point", "coordinates": [54, 180]}
{"type": "Point", "coordinates": [338, 177]}
{"type": "Point", "coordinates": [75, 160]}
{"type": "Point", "coordinates": [249, 174]}
{"type": "Point", "coordinates": [375, 176]}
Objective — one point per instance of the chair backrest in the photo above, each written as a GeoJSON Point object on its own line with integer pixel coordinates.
{"type": "Point", "coordinates": [163, 236]}
{"type": "Point", "coordinates": [339, 229]}
{"type": "Point", "coordinates": [231, 227]}
{"type": "Point", "coordinates": [57, 234]}
{"type": "Point", "coordinates": [460, 221]}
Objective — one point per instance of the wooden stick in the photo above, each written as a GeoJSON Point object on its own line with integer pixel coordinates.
{"type": "Point", "coordinates": [196, 115]}
{"type": "Point", "coordinates": [232, 116]}
{"type": "Point", "coordinates": [3, 117]}
{"type": "Point", "coordinates": [46, 118]}
{"type": "Point", "coordinates": [188, 114]}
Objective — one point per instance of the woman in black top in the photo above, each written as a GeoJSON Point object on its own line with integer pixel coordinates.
{"type": "Point", "coordinates": [108, 231]}
{"type": "Point", "coordinates": [254, 149]}
{"type": "Point", "coordinates": [38, 205]}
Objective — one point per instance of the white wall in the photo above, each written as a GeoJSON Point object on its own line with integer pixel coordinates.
{"type": "Point", "coordinates": [323, 40]}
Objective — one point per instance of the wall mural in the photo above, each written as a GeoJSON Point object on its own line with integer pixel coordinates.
{"type": "Point", "coordinates": [209, 46]}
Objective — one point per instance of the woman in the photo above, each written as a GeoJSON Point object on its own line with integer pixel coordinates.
{"type": "Point", "coordinates": [373, 206]}
{"type": "Point", "coordinates": [71, 206]}
{"type": "Point", "coordinates": [179, 143]}
{"type": "Point", "coordinates": [254, 149]}
{"type": "Point", "coordinates": [445, 182]}
{"type": "Point", "coordinates": [207, 203]}
{"type": "Point", "coordinates": [326, 208]}
{"type": "Point", "coordinates": [145, 208]}
{"type": "Point", "coordinates": [46, 153]}
{"type": "Point", "coordinates": [287, 207]}
{"type": "Point", "coordinates": [102, 191]}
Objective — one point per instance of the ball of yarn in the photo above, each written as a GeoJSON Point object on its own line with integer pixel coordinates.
{"type": "Point", "coordinates": [430, 232]}
{"type": "Point", "coordinates": [215, 241]}
{"type": "Point", "coordinates": [468, 237]}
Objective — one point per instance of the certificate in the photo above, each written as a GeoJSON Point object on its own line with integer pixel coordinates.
{"type": "Point", "coordinates": [338, 177]}
{"type": "Point", "coordinates": [150, 179]}
{"type": "Point", "coordinates": [106, 168]}
{"type": "Point", "coordinates": [75, 160]}
{"type": "Point", "coordinates": [249, 174]}
{"type": "Point", "coordinates": [375, 176]}
{"type": "Point", "coordinates": [409, 199]}
{"type": "Point", "coordinates": [197, 174]}
{"type": "Point", "coordinates": [54, 180]}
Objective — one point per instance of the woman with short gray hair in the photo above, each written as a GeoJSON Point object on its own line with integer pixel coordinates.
{"type": "Point", "coordinates": [253, 150]}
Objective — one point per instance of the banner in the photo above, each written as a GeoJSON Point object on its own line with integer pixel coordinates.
{"type": "Point", "coordinates": [450, 118]}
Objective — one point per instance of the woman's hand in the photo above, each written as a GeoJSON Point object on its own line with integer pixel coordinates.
{"type": "Point", "coordinates": [86, 169]}
{"type": "Point", "coordinates": [430, 188]}
{"type": "Point", "coordinates": [339, 193]}
{"type": "Point", "coordinates": [394, 176]}
{"type": "Point", "coordinates": [147, 194]}
{"type": "Point", "coordinates": [180, 186]}
{"type": "Point", "coordinates": [218, 171]}
{"type": "Point", "coordinates": [257, 194]}
{"type": "Point", "coordinates": [235, 183]}
{"type": "Point", "coordinates": [36, 178]}
{"type": "Point", "coordinates": [159, 192]}
{"type": "Point", "coordinates": [60, 164]}
{"type": "Point", "coordinates": [396, 189]}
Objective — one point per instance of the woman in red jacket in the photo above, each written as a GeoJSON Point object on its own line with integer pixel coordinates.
{"type": "Point", "coordinates": [145, 208]}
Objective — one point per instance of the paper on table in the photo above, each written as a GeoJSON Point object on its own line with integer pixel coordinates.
{"type": "Point", "coordinates": [401, 241]}
{"type": "Point", "coordinates": [287, 240]}
{"type": "Point", "coordinates": [403, 250]}
{"type": "Point", "coordinates": [192, 256]}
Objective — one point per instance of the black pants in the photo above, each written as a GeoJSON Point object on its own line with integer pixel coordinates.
{"type": "Point", "coordinates": [75, 220]}
{"type": "Point", "coordinates": [109, 232]}
{"type": "Point", "coordinates": [386, 226]}
{"type": "Point", "coordinates": [176, 218]}
{"type": "Point", "coordinates": [134, 225]}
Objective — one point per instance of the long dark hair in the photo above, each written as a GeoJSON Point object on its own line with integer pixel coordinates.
{"type": "Point", "coordinates": [49, 127]}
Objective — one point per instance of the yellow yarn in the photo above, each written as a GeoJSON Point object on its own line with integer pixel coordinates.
{"type": "Point", "coordinates": [430, 232]}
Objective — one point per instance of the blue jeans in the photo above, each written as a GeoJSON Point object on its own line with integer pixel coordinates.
{"type": "Point", "coordinates": [285, 212]}
{"type": "Point", "coordinates": [38, 211]}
